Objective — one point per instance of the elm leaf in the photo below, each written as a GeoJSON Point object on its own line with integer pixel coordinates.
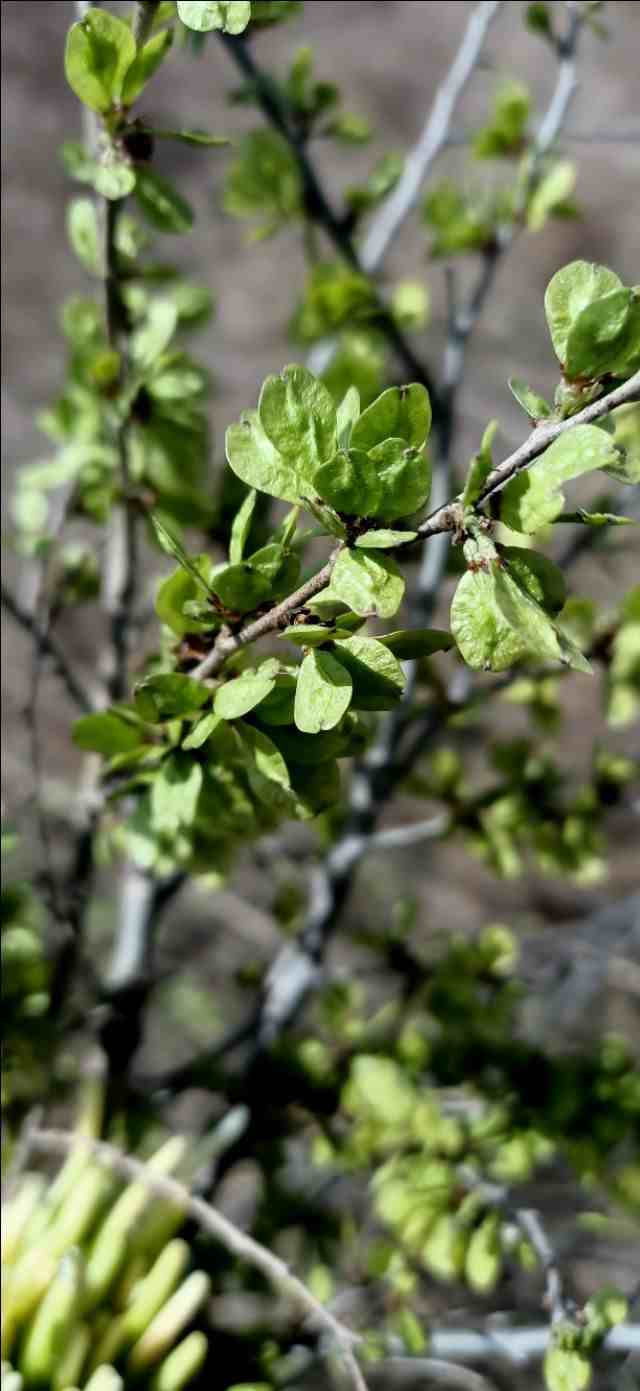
{"type": "Point", "coordinates": [174, 793]}
{"type": "Point", "coordinates": [161, 203]}
{"type": "Point", "coordinates": [241, 527]}
{"type": "Point", "coordinates": [409, 643]}
{"type": "Point", "coordinates": [401, 412]}
{"type": "Point", "coordinates": [323, 693]}
{"type": "Point", "coordinates": [106, 733]}
{"type": "Point", "coordinates": [605, 337]}
{"type": "Point", "coordinates": [229, 16]}
{"type": "Point", "coordinates": [240, 695]}
{"type": "Point", "coordinates": [99, 51]}
{"type": "Point", "coordinates": [298, 416]}
{"type": "Point", "coordinates": [569, 291]}
{"type": "Point", "coordinates": [367, 583]}
{"type": "Point", "coordinates": [254, 459]}
{"type": "Point", "coordinates": [145, 63]}
{"type": "Point", "coordinates": [378, 679]}
{"type": "Point", "coordinates": [534, 497]}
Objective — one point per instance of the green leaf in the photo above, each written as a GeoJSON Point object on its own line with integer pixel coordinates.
{"type": "Point", "coordinates": [626, 434]}
{"type": "Point", "coordinates": [272, 11]}
{"type": "Point", "coordinates": [231, 16]}
{"type": "Point", "coordinates": [169, 696]}
{"type": "Point", "coordinates": [265, 755]}
{"type": "Point", "coordinates": [410, 643]}
{"type": "Point", "coordinates": [378, 679]}
{"type": "Point", "coordinates": [174, 548]}
{"type": "Point", "coordinates": [566, 1371]}
{"type": "Point", "coordinates": [368, 584]}
{"type": "Point", "coordinates": [264, 181]}
{"type": "Point", "coordinates": [323, 693]}
{"type": "Point", "coordinates": [536, 575]}
{"type": "Point", "coordinates": [106, 733]}
{"type": "Point", "coordinates": [349, 482]}
{"type": "Point", "coordinates": [277, 707]}
{"type": "Point", "coordinates": [569, 292]}
{"type": "Point", "coordinates": [155, 333]}
{"type": "Point", "coordinates": [162, 205]}
{"type": "Point", "coordinates": [241, 527]}
{"type": "Point", "coordinates": [240, 587]}
{"type": "Point", "coordinates": [401, 412]}
{"type": "Point", "coordinates": [597, 518]}
{"type": "Point", "coordinates": [383, 177]}
{"type": "Point", "coordinates": [534, 498]}
{"type": "Point", "coordinates": [174, 793]}
{"type": "Point", "coordinates": [253, 458]}
{"type": "Point", "coordinates": [605, 337]}
{"type": "Point", "coordinates": [99, 52]}
{"type": "Point", "coordinates": [346, 416]}
{"type": "Point", "coordinates": [114, 176]}
{"type": "Point", "coordinates": [485, 637]}
{"type": "Point", "coordinates": [553, 190]}
{"type": "Point", "coordinates": [201, 731]}
{"type": "Point", "coordinates": [504, 134]}
{"type": "Point", "coordinates": [404, 477]}
{"type": "Point", "coordinates": [240, 695]}
{"type": "Point", "coordinates": [385, 540]}
{"type": "Point", "coordinates": [535, 406]}
{"type": "Point", "coordinates": [146, 62]}
{"type": "Point", "coordinates": [299, 418]}
{"type": "Point", "coordinates": [480, 467]}
{"type": "Point", "coordinates": [84, 234]}
{"type": "Point", "coordinates": [181, 589]}
{"type": "Point", "coordinates": [311, 634]}
{"type": "Point", "coordinates": [192, 137]}
{"type": "Point", "coordinates": [410, 304]}
{"type": "Point", "coordinates": [483, 1264]}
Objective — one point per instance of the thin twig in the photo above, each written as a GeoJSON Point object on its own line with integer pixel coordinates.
{"type": "Point", "coordinates": [49, 647]}
{"type": "Point", "coordinates": [555, 1299]}
{"type": "Point", "coordinates": [244, 1247]}
{"type": "Point", "coordinates": [317, 205]}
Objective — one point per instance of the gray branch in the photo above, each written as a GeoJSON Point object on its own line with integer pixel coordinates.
{"type": "Point", "coordinates": [49, 647]}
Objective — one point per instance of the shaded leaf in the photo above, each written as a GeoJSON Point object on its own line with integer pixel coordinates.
{"type": "Point", "coordinates": [168, 696]}
{"type": "Point", "coordinates": [534, 498]}
{"type": "Point", "coordinates": [161, 203]}
{"type": "Point", "coordinates": [378, 679]}
{"type": "Point", "coordinates": [106, 733]}
{"type": "Point", "coordinates": [174, 793]}
{"type": "Point", "coordinates": [201, 731]}
{"type": "Point", "coordinates": [410, 643]}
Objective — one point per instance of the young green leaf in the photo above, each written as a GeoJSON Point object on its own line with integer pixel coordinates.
{"type": "Point", "coordinates": [551, 194]}
{"type": "Point", "coordinates": [241, 527]}
{"type": "Point", "coordinates": [485, 639]}
{"type": "Point", "coordinates": [99, 52]}
{"type": "Point", "coordinates": [312, 634]}
{"type": "Point", "coordinates": [534, 498]}
{"type": "Point", "coordinates": [174, 793]}
{"type": "Point", "coordinates": [106, 733]}
{"type": "Point", "coordinates": [230, 16]}
{"type": "Point", "coordinates": [146, 62]}
{"type": "Point", "coordinates": [323, 693]}
{"type": "Point", "coordinates": [299, 418]}
{"type": "Point", "coordinates": [597, 518]}
{"type": "Point", "coordinates": [566, 1370]}
{"type": "Point", "coordinates": [162, 205]}
{"type": "Point", "coordinates": [368, 583]}
{"type": "Point", "coordinates": [384, 540]}
{"type": "Point", "coordinates": [169, 696]}
{"type": "Point", "coordinates": [264, 755]}
{"type": "Point", "coordinates": [569, 292]}
{"type": "Point", "coordinates": [192, 137]}
{"type": "Point", "coordinates": [349, 482]}
{"type": "Point", "coordinates": [480, 467]}
{"type": "Point", "coordinates": [401, 412]}
{"type": "Point", "coordinates": [410, 643]}
{"type": "Point", "coordinates": [483, 1263]}
{"type": "Point", "coordinates": [176, 549]}
{"type": "Point", "coordinates": [605, 337]}
{"type": "Point", "coordinates": [277, 707]}
{"type": "Point", "coordinates": [535, 406]}
{"type": "Point", "coordinates": [378, 679]}
{"type": "Point", "coordinates": [536, 575]}
{"type": "Point", "coordinates": [84, 235]}
{"type": "Point", "coordinates": [240, 587]}
{"type": "Point", "coordinates": [404, 477]}
{"type": "Point", "coordinates": [240, 695]}
{"type": "Point", "coordinates": [155, 333]}
{"type": "Point", "coordinates": [201, 731]}
{"type": "Point", "coordinates": [114, 175]}
{"type": "Point", "coordinates": [346, 416]}
{"type": "Point", "coordinates": [179, 592]}
{"type": "Point", "coordinates": [254, 459]}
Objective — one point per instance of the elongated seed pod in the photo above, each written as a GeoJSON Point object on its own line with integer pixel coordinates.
{"type": "Point", "coordinates": [182, 1365]}
{"type": "Point", "coordinates": [150, 1296]}
{"type": "Point", "coordinates": [111, 1243]}
{"type": "Point", "coordinates": [25, 1288]}
{"type": "Point", "coordinates": [168, 1324]}
{"type": "Point", "coordinates": [73, 1359]}
{"type": "Point", "coordinates": [79, 1212]}
{"type": "Point", "coordinates": [18, 1213]}
{"type": "Point", "coordinates": [52, 1323]}
{"type": "Point", "coordinates": [105, 1379]}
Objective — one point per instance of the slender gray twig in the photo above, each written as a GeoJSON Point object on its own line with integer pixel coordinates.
{"type": "Point", "coordinates": [50, 647]}
{"type": "Point", "coordinates": [244, 1247]}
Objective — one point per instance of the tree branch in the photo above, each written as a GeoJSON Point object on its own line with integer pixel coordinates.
{"type": "Point", "coordinates": [49, 647]}
{"type": "Point", "coordinates": [318, 206]}
{"type": "Point", "coordinates": [216, 1225]}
